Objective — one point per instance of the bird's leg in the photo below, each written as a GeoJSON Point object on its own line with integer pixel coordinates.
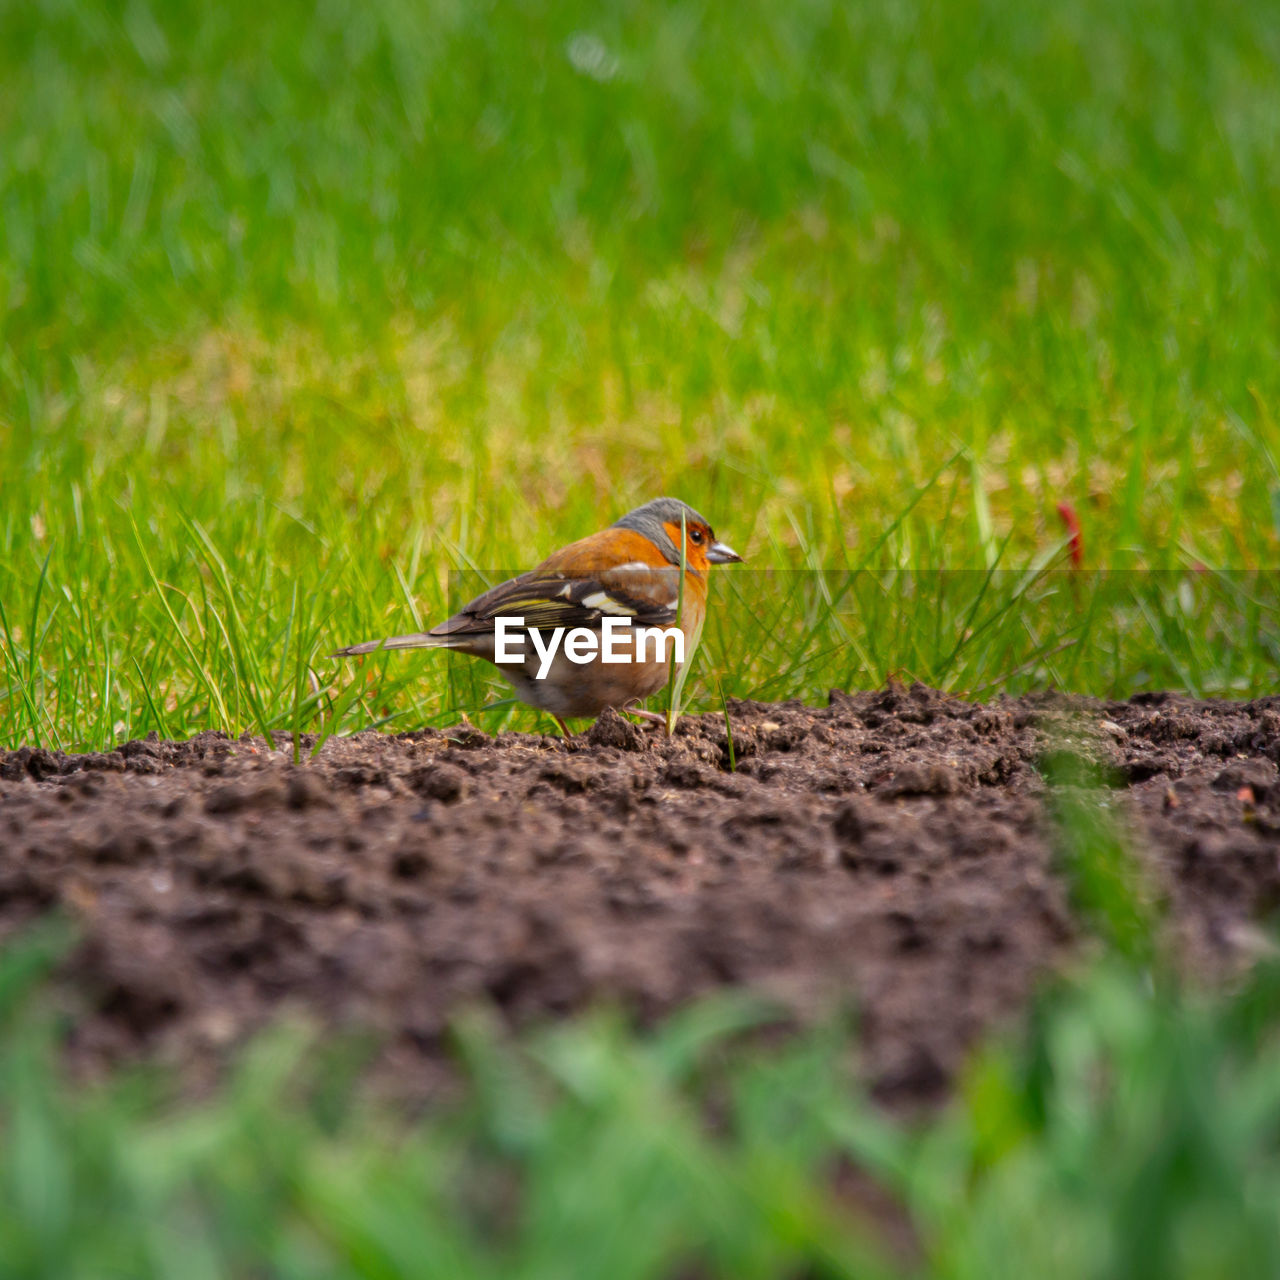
{"type": "Point", "coordinates": [564, 728]}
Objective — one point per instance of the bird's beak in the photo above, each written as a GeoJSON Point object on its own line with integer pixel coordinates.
{"type": "Point", "coordinates": [722, 553]}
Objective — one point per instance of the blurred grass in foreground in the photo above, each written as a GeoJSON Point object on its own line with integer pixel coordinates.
{"type": "Point", "coordinates": [305, 306]}
{"type": "Point", "coordinates": [1129, 1131]}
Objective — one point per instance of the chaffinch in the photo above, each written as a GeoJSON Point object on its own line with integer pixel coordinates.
{"type": "Point", "coordinates": [630, 571]}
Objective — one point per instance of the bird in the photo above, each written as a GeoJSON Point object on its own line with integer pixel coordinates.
{"type": "Point", "coordinates": [628, 573]}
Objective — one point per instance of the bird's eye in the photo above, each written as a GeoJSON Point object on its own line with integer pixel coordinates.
{"type": "Point", "coordinates": [695, 536]}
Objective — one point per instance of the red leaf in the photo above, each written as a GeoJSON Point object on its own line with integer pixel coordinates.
{"type": "Point", "coordinates": [1075, 539]}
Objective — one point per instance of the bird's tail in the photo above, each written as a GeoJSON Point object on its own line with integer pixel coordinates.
{"type": "Point", "coordinates": [419, 640]}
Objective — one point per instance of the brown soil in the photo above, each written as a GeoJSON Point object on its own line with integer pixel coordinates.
{"type": "Point", "coordinates": [891, 850]}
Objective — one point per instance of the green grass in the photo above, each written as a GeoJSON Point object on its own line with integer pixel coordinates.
{"type": "Point", "coordinates": [305, 308]}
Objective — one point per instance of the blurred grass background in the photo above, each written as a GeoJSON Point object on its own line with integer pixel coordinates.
{"type": "Point", "coordinates": [303, 306]}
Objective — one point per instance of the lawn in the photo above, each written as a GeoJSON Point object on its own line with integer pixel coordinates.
{"type": "Point", "coordinates": [310, 308]}
{"type": "Point", "coordinates": [960, 320]}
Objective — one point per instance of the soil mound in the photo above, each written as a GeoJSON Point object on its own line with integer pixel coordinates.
{"type": "Point", "coordinates": [891, 850]}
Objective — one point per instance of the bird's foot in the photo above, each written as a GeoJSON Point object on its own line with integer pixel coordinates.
{"type": "Point", "coordinates": [653, 717]}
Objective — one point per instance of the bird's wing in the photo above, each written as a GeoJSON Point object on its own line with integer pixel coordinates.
{"type": "Point", "coordinates": [547, 598]}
